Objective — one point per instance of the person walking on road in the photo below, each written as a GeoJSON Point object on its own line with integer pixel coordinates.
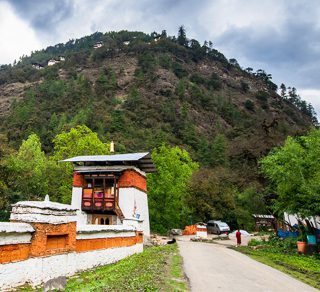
{"type": "Point", "coordinates": [238, 236]}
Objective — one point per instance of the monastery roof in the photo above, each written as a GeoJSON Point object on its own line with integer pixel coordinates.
{"type": "Point", "coordinates": [141, 160]}
{"type": "Point", "coordinates": [106, 168]}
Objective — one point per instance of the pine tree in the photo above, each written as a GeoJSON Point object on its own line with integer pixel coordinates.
{"type": "Point", "coordinates": [283, 91]}
{"type": "Point", "coordinates": [182, 37]}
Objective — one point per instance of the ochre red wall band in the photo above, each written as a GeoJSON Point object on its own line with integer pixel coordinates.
{"type": "Point", "coordinates": [14, 252]}
{"type": "Point", "coordinates": [84, 245]}
{"type": "Point", "coordinates": [38, 247]}
{"type": "Point", "coordinates": [131, 178]}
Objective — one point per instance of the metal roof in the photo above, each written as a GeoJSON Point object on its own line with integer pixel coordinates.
{"type": "Point", "coordinates": [106, 158]}
{"type": "Point", "coordinates": [141, 160]}
{"type": "Point", "coordinates": [263, 216]}
{"type": "Point", "coordinates": [106, 169]}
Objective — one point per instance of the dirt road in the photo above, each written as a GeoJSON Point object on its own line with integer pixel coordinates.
{"type": "Point", "coordinates": [214, 267]}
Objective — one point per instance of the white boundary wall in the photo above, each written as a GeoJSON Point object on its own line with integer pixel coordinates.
{"type": "Point", "coordinates": [15, 233]}
{"type": "Point", "coordinates": [39, 270]}
{"type": "Point", "coordinates": [104, 231]}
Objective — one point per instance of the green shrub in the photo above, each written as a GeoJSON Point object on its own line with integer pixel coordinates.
{"type": "Point", "coordinates": [179, 70]}
{"type": "Point", "coordinates": [198, 79]}
{"type": "Point", "coordinates": [255, 242]}
{"type": "Point", "coordinates": [165, 61]}
{"type": "Point", "coordinates": [214, 82]}
{"type": "Point", "coordinates": [244, 86]}
{"type": "Point", "coordinates": [249, 105]}
{"type": "Point", "coordinates": [287, 245]}
{"type": "Point", "coordinates": [263, 96]}
{"type": "Point", "coordinates": [147, 62]}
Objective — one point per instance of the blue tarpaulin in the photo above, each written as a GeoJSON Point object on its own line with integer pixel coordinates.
{"type": "Point", "coordinates": [285, 234]}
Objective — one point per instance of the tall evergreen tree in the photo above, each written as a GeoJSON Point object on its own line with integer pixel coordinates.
{"type": "Point", "coordinates": [182, 37]}
{"type": "Point", "coordinates": [283, 91]}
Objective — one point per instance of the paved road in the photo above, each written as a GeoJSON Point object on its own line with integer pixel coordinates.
{"type": "Point", "coordinates": [214, 267]}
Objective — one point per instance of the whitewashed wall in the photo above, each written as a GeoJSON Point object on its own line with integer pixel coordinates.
{"type": "Point", "coordinates": [104, 231]}
{"type": "Point", "coordinates": [39, 270]}
{"type": "Point", "coordinates": [128, 198]}
{"type": "Point", "coordinates": [15, 233]}
{"type": "Point", "coordinates": [82, 217]}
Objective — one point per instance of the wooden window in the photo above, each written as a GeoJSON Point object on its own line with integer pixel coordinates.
{"type": "Point", "coordinates": [57, 241]}
{"type": "Point", "coordinates": [99, 193]}
{"type": "Point", "coordinates": [102, 219]}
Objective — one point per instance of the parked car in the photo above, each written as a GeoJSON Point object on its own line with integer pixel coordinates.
{"type": "Point", "coordinates": [217, 227]}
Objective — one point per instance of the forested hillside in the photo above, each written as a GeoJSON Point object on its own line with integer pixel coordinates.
{"type": "Point", "coordinates": [142, 90]}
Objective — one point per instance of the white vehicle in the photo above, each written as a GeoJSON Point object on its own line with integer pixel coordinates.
{"type": "Point", "coordinates": [217, 227]}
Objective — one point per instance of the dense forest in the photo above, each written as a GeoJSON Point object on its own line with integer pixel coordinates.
{"type": "Point", "coordinates": [147, 92]}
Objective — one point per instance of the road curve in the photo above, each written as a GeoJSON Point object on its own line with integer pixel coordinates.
{"type": "Point", "coordinates": [213, 267]}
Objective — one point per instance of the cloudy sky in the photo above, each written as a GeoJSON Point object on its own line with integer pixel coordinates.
{"type": "Point", "coordinates": [279, 36]}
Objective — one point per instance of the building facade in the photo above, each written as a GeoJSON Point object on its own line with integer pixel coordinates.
{"type": "Point", "coordinates": [112, 189]}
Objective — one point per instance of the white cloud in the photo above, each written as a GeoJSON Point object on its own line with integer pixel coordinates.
{"type": "Point", "coordinates": [279, 36]}
{"type": "Point", "coordinates": [223, 15]}
{"type": "Point", "coordinates": [17, 37]}
{"type": "Point", "coordinates": [312, 96]}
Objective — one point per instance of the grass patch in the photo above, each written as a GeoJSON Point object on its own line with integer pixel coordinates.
{"type": "Point", "coordinates": [155, 269]}
{"type": "Point", "coordinates": [177, 281]}
{"type": "Point", "coordinates": [151, 270]}
{"type": "Point", "coordinates": [301, 267]}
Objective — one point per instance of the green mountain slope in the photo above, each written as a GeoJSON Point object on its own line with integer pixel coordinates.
{"type": "Point", "coordinates": [142, 90]}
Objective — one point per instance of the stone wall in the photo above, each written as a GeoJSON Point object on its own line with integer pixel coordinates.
{"type": "Point", "coordinates": [93, 245]}
{"type": "Point", "coordinates": [52, 239]}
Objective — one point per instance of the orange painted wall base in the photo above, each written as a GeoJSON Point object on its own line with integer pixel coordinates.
{"type": "Point", "coordinates": [14, 252]}
{"type": "Point", "coordinates": [84, 245]}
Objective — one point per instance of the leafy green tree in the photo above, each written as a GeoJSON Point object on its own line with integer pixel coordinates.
{"type": "Point", "coordinates": [294, 172]}
{"type": "Point", "coordinates": [5, 197]}
{"type": "Point", "coordinates": [219, 151]}
{"type": "Point", "coordinates": [164, 34]}
{"type": "Point", "coordinates": [147, 63]}
{"type": "Point", "coordinates": [5, 200]}
{"type": "Point", "coordinates": [168, 188]}
{"type": "Point", "coordinates": [27, 170]}
{"type": "Point", "coordinates": [106, 82]}
{"type": "Point", "coordinates": [78, 141]}
{"type": "Point", "coordinates": [248, 202]}
{"type": "Point", "coordinates": [210, 194]}
{"type": "Point", "coordinates": [234, 62]}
